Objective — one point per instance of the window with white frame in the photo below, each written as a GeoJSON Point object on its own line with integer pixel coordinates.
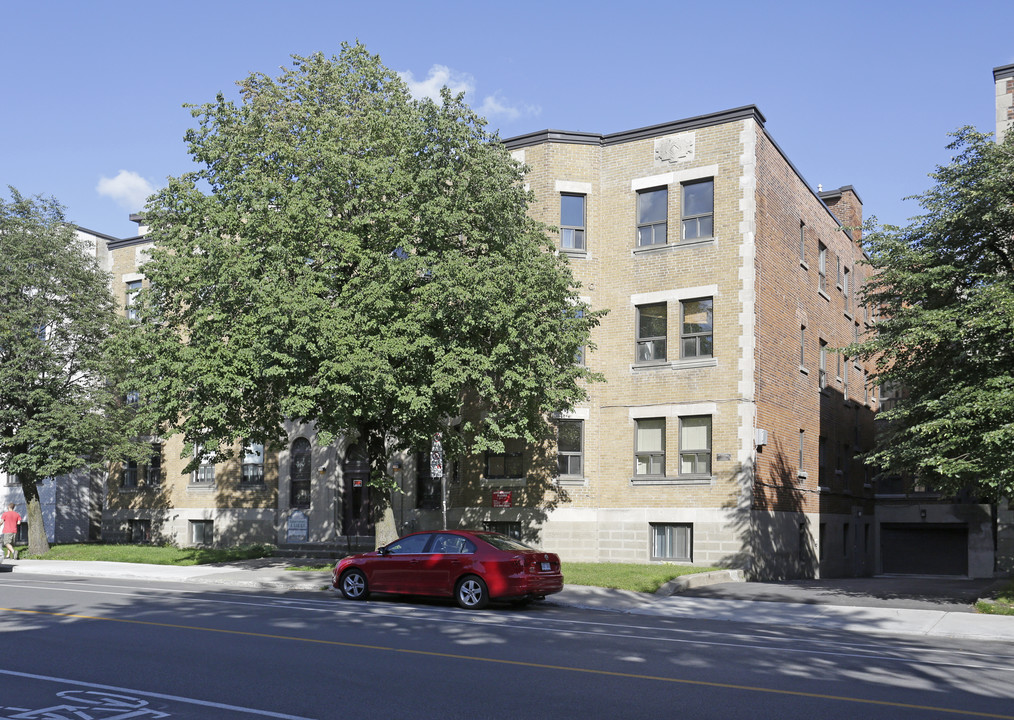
{"type": "Point", "coordinates": [570, 448]}
{"type": "Point", "coordinates": [695, 445]}
{"type": "Point", "coordinates": [202, 532]}
{"type": "Point", "coordinates": [651, 332]}
{"type": "Point", "coordinates": [133, 288]}
{"type": "Point", "coordinates": [696, 338]}
{"type": "Point", "coordinates": [672, 541]}
{"type": "Point", "coordinates": [822, 266]}
{"type": "Point", "coordinates": [572, 221]}
{"type": "Point", "coordinates": [253, 464]}
{"type": "Point", "coordinates": [205, 472]}
{"type": "Point", "coordinates": [652, 216]}
{"type": "Point", "coordinates": [699, 209]}
{"type": "Point", "coordinates": [649, 447]}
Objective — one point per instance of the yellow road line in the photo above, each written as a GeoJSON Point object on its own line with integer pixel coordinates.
{"type": "Point", "coordinates": [523, 663]}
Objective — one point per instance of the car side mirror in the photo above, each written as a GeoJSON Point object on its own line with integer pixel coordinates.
{"type": "Point", "coordinates": [382, 551]}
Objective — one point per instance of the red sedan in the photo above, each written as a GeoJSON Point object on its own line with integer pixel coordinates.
{"type": "Point", "coordinates": [474, 567]}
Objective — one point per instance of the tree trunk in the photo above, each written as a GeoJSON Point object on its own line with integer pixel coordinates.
{"type": "Point", "coordinates": [38, 544]}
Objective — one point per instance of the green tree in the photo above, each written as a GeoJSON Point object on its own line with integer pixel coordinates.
{"type": "Point", "coordinates": [59, 407]}
{"type": "Point", "coordinates": [944, 288]}
{"type": "Point", "coordinates": [347, 255]}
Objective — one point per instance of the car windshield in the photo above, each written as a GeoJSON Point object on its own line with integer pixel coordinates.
{"type": "Point", "coordinates": [502, 542]}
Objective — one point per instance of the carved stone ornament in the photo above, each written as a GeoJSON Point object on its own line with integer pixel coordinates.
{"type": "Point", "coordinates": [675, 148]}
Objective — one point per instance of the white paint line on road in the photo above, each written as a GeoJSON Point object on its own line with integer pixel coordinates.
{"type": "Point", "coordinates": [160, 696]}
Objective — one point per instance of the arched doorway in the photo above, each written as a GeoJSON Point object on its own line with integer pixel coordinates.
{"type": "Point", "coordinates": [356, 518]}
{"type": "Point", "coordinates": [299, 474]}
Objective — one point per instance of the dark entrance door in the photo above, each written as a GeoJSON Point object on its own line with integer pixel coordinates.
{"type": "Point", "coordinates": [299, 476]}
{"type": "Point", "coordinates": [924, 549]}
{"type": "Point", "coordinates": [356, 518]}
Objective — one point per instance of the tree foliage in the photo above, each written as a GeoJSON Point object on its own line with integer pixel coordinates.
{"type": "Point", "coordinates": [944, 287]}
{"type": "Point", "coordinates": [347, 255]}
{"type": "Point", "coordinates": [59, 408]}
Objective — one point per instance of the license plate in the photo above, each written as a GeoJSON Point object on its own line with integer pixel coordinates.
{"type": "Point", "coordinates": [546, 567]}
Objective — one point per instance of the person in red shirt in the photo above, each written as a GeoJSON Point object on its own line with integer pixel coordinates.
{"type": "Point", "coordinates": [10, 521]}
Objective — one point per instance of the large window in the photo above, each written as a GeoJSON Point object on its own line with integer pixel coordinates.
{"type": "Point", "coordinates": [672, 541]}
{"type": "Point", "coordinates": [510, 528]}
{"type": "Point", "coordinates": [649, 447]}
{"type": "Point", "coordinates": [509, 463]}
{"type": "Point", "coordinates": [572, 222]}
{"type": "Point", "coordinates": [570, 448]}
{"type": "Point", "coordinates": [698, 210]}
{"type": "Point", "coordinates": [205, 472]}
{"type": "Point", "coordinates": [140, 531]}
{"type": "Point", "coordinates": [133, 288]}
{"type": "Point", "coordinates": [253, 464]}
{"type": "Point", "coordinates": [822, 373]}
{"type": "Point", "coordinates": [202, 532]}
{"type": "Point", "coordinates": [695, 445]}
{"type": "Point", "coordinates": [696, 332]}
{"type": "Point", "coordinates": [822, 266]}
{"type": "Point", "coordinates": [651, 329]}
{"type": "Point", "coordinates": [299, 473]}
{"type": "Point", "coordinates": [130, 472]}
{"type": "Point", "coordinates": [652, 216]}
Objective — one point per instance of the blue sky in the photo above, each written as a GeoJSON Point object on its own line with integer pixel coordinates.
{"type": "Point", "coordinates": [860, 93]}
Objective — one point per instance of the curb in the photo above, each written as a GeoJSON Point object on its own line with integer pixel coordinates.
{"type": "Point", "coordinates": [695, 580]}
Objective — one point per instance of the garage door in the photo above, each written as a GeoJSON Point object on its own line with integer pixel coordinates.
{"type": "Point", "coordinates": [922, 549]}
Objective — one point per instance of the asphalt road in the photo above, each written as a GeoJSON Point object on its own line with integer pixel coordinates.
{"type": "Point", "coordinates": [85, 649]}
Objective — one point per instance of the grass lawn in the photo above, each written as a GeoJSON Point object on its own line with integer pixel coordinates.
{"type": "Point", "coordinates": [1001, 604]}
{"type": "Point", "coordinates": [626, 576]}
{"type": "Point", "coordinates": [151, 554]}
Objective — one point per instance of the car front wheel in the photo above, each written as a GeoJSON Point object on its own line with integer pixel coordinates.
{"type": "Point", "coordinates": [353, 585]}
{"type": "Point", "coordinates": [471, 593]}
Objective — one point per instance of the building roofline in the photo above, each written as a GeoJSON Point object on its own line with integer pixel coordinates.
{"type": "Point", "coordinates": [116, 244]}
{"type": "Point", "coordinates": [96, 233]}
{"type": "Point", "coordinates": [1002, 72]}
{"type": "Point", "coordinates": [585, 138]}
{"type": "Point", "coordinates": [837, 193]}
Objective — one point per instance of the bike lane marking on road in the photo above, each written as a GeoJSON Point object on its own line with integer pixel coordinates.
{"type": "Point", "coordinates": [147, 694]}
{"type": "Point", "coordinates": [524, 664]}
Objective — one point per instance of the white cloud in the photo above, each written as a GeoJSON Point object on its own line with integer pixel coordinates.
{"type": "Point", "coordinates": [128, 189]}
{"type": "Point", "coordinates": [439, 76]}
{"type": "Point", "coordinates": [492, 106]}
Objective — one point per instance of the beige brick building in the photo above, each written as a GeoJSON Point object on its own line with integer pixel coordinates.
{"type": "Point", "coordinates": [725, 431]}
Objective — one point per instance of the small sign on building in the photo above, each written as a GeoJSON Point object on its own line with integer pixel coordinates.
{"type": "Point", "coordinates": [298, 529]}
{"type": "Point", "coordinates": [502, 498]}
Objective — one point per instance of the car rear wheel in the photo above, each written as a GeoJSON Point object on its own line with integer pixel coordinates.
{"type": "Point", "coordinates": [471, 593]}
{"type": "Point", "coordinates": [353, 585]}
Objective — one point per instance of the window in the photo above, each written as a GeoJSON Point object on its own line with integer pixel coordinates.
{"type": "Point", "coordinates": [299, 473]}
{"type": "Point", "coordinates": [695, 445]}
{"type": "Point", "coordinates": [696, 333]}
{"type": "Point", "coordinates": [671, 541]}
{"type": "Point", "coordinates": [845, 278]}
{"type": "Point", "coordinates": [253, 464]}
{"type": "Point", "coordinates": [572, 222]}
{"type": "Point", "coordinates": [130, 474]}
{"type": "Point", "coordinates": [649, 447]}
{"type": "Point", "coordinates": [445, 544]}
{"type": "Point", "coordinates": [411, 545]}
{"type": "Point", "coordinates": [509, 528]}
{"type": "Point", "coordinates": [822, 461]}
{"type": "Point", "coordinates": [570, 447]}
{"type": "Point", "coordinates": [509, 463]}
{"type": "Point", "coordinates": [838, 269]}
{"type": "Point", "coordinates": [698, 210]}
{"type": "Point", "coordinates": [651, 329]}
{"type": "Point", "coordinates": [802, 346]}
{"type": "Point", "coordinates": [802, 242]}
{"type": "Point", "coordinates": [153, 476]}
{"type": "Point", "coordinates": [202, 532]}
{"type": "Point", "coordinates": [822, 266]}
{"type": "Point", "coordinates": [133, 288]}
{"type": "Point", "coordinates": [822, 373]}
{"type": "Point", "coordinates": [427, 487]}
{"type": "Point", "coordinates": [205, 472]}
{"type": "Point", "coordinates": [652, 216]}
{"type": "Point", "coordinates": [802, 448]}
{"type": "Point", "coordinates": [140, 531]}
{"type": "Point", "coordinates": [845, 377]}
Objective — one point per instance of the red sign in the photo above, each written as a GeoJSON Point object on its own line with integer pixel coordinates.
{"type": "Point", "coordinates": [357, 482]}
{"type": "Point", "coordinates": [501, 498]}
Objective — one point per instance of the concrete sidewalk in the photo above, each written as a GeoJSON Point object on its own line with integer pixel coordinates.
{"type": "Point", "coordinates": [270, 574]}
